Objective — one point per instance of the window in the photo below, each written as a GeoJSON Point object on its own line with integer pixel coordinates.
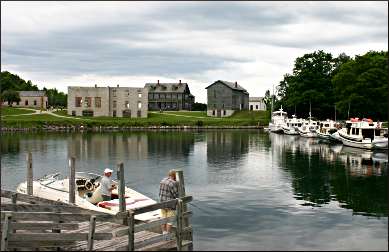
{"type": "Point", "coordinates": [127, 105]}
{"type": "Point", "coordinates": [114, 104]}
{"type": "Point", "coordinates": [139, 114]}
{"type": "Point", "coordinates": [224, 112]}
{"type": "Point", "coordinates": [139, 105]}
{"type": "Point", "coordinates": [87, 113]}
{"type": "Point", "coordinates": [98, 102]}
{"type": "Point", "coordinates": [213, 112]}
{"type": "Point", "coordinates": [139, 95]}
{"type": "Point", "coordinates": [17, 103]}
{"type": "Point", "coordinates": [26, 102]}
{"type": "Point", "coordinates": [73, 113]}
{"type": "Point", "coordinates": [127, 92]}
{"type": "Point", "coordinates": [256, 106]}
{"type": "Point", "coordinates": [114, 113]}
{"type": "Point", "coordinates": [126, 113]}
{"type": "Point", "coordinates": [88, 101]}
{"type": "Point", "coordinates": [78, 101]}
{"type": "Point", "coordinates": [34, 102]}
{"type": "Point", "coordinates": [114, 92]}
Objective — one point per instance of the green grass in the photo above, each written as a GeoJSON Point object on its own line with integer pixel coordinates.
{"type": "Point", "coordinates": [61, 112]}
{"type": "Point", "coordinates": [244, 118]}
{"type": "Point", "coordinates": [5, 111]}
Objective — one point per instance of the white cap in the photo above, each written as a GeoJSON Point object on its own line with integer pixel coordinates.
{"type": "Point", "coordinates": [107, 170]}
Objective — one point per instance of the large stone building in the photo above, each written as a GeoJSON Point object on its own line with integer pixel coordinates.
{"type": "Point", "coordinates": [224, 98]}
{"type": "Point", "coordinates": [107, 101]}
{"type": "Point", "coordinates": [32, 99]}
{"type": "Point", "coordinates": [257, 103]}
{"type": "Point", "coordinates": [169, 96]}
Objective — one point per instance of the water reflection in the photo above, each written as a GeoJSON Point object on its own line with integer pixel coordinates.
{"type": "Point", "coordinates": [322, 173]}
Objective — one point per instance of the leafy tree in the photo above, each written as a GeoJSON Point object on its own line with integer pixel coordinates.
{"type": "Point", "coordinates": [199, 106]}
{"type": "Point", "coordinates": [10, 96]}
{"type": "Point", "coordinates": [11, 81]}
{"type": "Point", "coordinates": [361, 84]}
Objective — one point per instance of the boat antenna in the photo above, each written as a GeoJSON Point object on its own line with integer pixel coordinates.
{"type": "Point", "coordinates": [295, 109]}
{"type": "Point", "coordinates": [348, 111]}
{"type": "Point", "coordinates": [335, 112]}
{"type": "Point", "coordinates": [309, 110]}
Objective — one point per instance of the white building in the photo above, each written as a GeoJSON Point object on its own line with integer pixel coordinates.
{"type": "Point", "coordinates": [257, 103]}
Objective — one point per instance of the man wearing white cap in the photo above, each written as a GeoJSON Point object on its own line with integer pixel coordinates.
{"type": "Point", "coordinates": [106, 185]}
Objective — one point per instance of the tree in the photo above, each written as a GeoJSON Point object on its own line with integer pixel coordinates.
{"type": "Point", "coordinates": [199, 106]}
{"type": "Point", "coordinates": [10, 96]}
{"type": "Point", "coordinates": [362, 84]}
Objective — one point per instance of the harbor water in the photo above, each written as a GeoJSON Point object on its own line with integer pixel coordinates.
{"type": "Point", "coordinates": [252, 190]}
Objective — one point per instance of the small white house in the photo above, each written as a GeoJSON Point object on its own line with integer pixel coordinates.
{"type": "Point", "coordinates": [256, 103]}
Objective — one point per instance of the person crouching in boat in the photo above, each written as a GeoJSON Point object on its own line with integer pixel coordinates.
{"type": "Point", "coordinates": [168, 190]}
{"type": "Point", "coordinates": [106, 185]}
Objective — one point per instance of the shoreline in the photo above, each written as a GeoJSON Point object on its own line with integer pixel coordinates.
{"type": "Point", "coordinates": [117, 128]}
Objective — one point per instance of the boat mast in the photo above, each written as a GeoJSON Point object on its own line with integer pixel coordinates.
{"type": "Point", "coordinates": [335, 112]}
{"type": "Point", "coordinates": [309, 111]}
{"type": "Point", "coordinates": [272, 98]}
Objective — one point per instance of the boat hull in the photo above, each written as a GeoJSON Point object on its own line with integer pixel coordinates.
{"type": "Point", "coordinates": [364, 144]}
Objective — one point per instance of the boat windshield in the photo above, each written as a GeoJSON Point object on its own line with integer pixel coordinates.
{"type": "Point", "coordinates": [87, 175]}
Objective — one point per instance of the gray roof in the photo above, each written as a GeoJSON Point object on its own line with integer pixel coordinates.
{"type": "Point", "coordinates": [232, 85]}
{"type": "Point", "coordinates": [167, 87]}
{"type": "Point", "coordinates": [253, 99]}
{"type": "Point", "coordinates": [32, 93]}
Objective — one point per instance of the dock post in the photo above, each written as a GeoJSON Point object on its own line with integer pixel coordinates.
{"type": "Point", "coordinates": [72, 180]}
{"type": "Point", "coordinates": [179, 233]}
{"type": "Point", "coordinates": [91, 234]}
{"type": "Point", "coordinates": [5, 232]}
{"type": "Point", "coordinates": [131, 223]}
{"type": "Point", "coordinates": [121, 188]}
{"type": "Point", "coordinates": [29, 174]}
{"type": "Point", "coordinates": [181, 193]}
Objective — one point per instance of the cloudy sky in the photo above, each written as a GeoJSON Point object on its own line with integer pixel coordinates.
{"type": "Point", "coordinates": [60, 44]}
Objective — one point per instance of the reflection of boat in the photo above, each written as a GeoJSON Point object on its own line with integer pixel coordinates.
{"type": "Point", "coordinates": [291, 125]}
{"type": "Point", "coordinates": [326, 129]}
{"type": "Point", "coordinates": [88, 195]}
{"type": "Point", "coordinates": [278, 120]}
{"type": "Point", "coordinates": [381, 157]}
{"type": "Point", "coordinates": [364, 134]}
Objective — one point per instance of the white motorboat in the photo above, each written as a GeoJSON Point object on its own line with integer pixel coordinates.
{"type": "Point", "coordinates": [326, 129]}
{"type": "Point", "coordinates": [308, 128]}
{"type": "Point", "coordinates": [88, 195]}
{"type": "Point", "coordinates": [292, 125]}
{"type": "Point", "coordinates": [278, 120]}
{"type": "Point", "coordinates": [335, 137]}
{"type": "Point", "coordinates": [364, 134]}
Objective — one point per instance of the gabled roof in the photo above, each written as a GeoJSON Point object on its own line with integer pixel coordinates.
{"type": "Point", "coordinates": [253, 99]}
{"type": "Point", "coordinates": [232, 85]}
{"type": "Point", "coordinates": [32, 93]}
{"type": "Point", "coordinates": [167, 87]}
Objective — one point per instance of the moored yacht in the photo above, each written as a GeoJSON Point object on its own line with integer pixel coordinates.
{"type": "Point", "coordinates": [88, 194]}
{"type": "Point", "coordinates": [292, 124]}
{"type": "Point", "coordinates": [278, 120]}
{"type": "Point", "coordinates": [308, 128]}
{"type": "Point", "coordinates": [364, 134]}
{"type": "Point", "coordinates": [326, 129]}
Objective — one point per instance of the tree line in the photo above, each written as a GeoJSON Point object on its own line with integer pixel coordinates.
{"type": "Point", "coordinates": [349, 87]}
{"type": "Point", "coordinates": [12, 83]}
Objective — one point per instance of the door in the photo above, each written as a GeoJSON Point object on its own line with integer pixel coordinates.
{"type": "Point", "coordinates": [219, 113]}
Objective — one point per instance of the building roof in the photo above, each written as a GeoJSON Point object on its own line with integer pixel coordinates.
{"type": "Point", "coordinates": [254, 99]}
{"type": "Point", "coordinates": [32, 93]}
{"type": "Point", "coordinates": [167, 87]}
{"type": "Point", "coordinates": [232, 85]}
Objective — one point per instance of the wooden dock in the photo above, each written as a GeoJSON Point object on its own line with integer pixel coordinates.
{"type": "Point", "coordinates": [33, 223]}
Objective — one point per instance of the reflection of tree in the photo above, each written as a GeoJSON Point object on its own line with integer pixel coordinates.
{"type": "Point", "coordinates": [173, 143]}
{"type": "Point", "coordinates": [226, 146]}
{"type": "Point", "coordinates": [19, 142]}
{"type": "Point", "coordinates": [320, 175]}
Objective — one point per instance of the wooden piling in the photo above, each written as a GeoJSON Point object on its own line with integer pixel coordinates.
{"type": "Point", "coordinates": [184, 209]}
{"type": "Point", "coordinates": [72, 180]}
{"type": "Point", "coordinates": [91, 234]}
{"type": "Point", "coordinates": [29, 174]}
{"type": "Point", "coordinates": [121, 188]}
{"type": "Point", "coordinates": [131, 230]}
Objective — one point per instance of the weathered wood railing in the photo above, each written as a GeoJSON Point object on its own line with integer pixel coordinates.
{"type": "Point", "coordinates": [177, 219]}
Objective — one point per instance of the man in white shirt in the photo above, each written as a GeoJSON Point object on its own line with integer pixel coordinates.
{"type": "Point", "coordinates": [106, 185]}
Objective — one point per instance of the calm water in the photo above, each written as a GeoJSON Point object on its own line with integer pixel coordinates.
{"type": "Point", "coordinates": [252, 190]}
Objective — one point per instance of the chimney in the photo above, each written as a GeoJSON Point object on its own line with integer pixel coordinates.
{"type": "Point", "coordinates": [95, 85]}
{"type": "Point", "coordinates": [117, 85]}
{"type": "Point", "coordinates": [180, 81]}
{"type": "Point", "coordinates": [236, 84]}
{"type": "Point", "coordinates": [158, 82]}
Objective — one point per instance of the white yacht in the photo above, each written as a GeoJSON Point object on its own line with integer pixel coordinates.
{"type": "Point", "coordinates": [364, 134]}
{"type": "Point", "coordinates": [278, 120]}
{"type": "Point", "coordinates": [326, 129]}
{"type": "Point", "coordinates": [308, 128]}
{"type": "Point", "coordinates": [292, 125]}
{"type": "Point", "coordinates": [88, 195]}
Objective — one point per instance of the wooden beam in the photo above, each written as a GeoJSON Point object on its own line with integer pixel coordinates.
{"type": "Point", "coordinates": [165, 204]}
{"type": "Point", "coordinates": [181, 193]}
{"type": "Point", "coordinates": [49, 216]}
{"type": "Point", "coordinates": [145, 226]}
{"type": "Point", "coordinates": [57, 236]}
{"type": "Point", "coordinates": [44, 226]}
{"type": "Point", "coordinates": [40, 244]}
{"type": "Point", "coordinates": [121, 189]}
{"type": "Point", "coordinates": [72, 180]}
{"type": "Point", "coordinates": [5, 232]}
{"type": "Point", "coordinates": [28, 198]}
{"type": "Point", "coordinates": [179, 224]}
{"type": "Point", "coordinates": [29, 174]}
{"type": "Point", "coordinates": [131, 231]}
{"type": "Point", "coordinates": [91, 235]}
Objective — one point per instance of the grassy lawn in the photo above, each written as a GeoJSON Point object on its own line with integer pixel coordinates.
{"type": "Point", "coordinates": [5, 111]}
{"type": "Point", "coordinates": [154, 119]}
{"type": "Point", "coordinates": [61, 112]}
